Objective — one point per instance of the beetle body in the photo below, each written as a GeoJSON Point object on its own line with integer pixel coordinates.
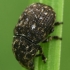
{"type": "Point", "coordinates": [34, 25]}
{"type": "Point", "coordinates": [24, 51]}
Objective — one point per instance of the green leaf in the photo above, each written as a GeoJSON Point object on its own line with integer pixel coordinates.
{"type": "Point", "coordinates": [52, 50]}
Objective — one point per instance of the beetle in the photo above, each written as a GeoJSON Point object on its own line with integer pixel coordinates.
{"type": "Point", "coordinates": [35, 25]}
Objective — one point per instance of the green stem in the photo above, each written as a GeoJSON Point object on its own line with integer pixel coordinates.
{"type": "Point", "coordinates": [52, 49]}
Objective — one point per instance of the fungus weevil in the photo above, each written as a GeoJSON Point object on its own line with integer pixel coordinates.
{"type": "Point", "coordinates": [34, 25]}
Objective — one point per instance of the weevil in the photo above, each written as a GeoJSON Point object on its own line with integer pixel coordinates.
{"type": "Point", "coordinates": [35, 25]}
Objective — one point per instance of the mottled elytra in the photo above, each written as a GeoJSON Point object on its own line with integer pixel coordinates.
{"type": "Point", "coordinates": [34, 26]}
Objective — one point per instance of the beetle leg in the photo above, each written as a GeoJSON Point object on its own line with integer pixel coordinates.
{"type": "Point", "coordinates": [41, 53]}
{"type": "Point", "coordinates": [58, 23]}
{"type": "Point", "coordinates": [52, 37]}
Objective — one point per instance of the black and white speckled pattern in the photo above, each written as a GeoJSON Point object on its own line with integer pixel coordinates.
{"type": "Point", "coordinates": [34, 25]}
{"type": "Point", "coordinates": [35, 22]}
{"type": "Point", "coordinates": [24, 51]}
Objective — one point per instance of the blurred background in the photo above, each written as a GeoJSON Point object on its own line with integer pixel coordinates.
{"type": "Point", "coordinates": [10, 10]}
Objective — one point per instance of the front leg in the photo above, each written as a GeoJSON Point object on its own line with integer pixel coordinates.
{"type": "Point", "coordinates": [58, 23]}
{"type": "Point", "coordinates": [52, 37]}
